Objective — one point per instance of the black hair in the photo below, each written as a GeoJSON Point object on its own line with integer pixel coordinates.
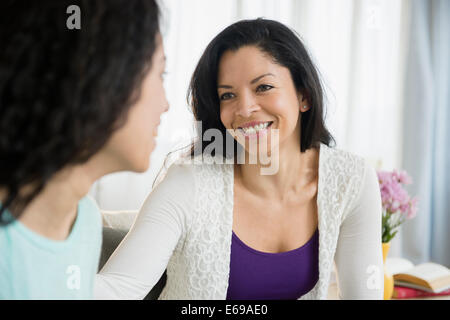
{"type": "Point", "coordinates": [63, 92]}
{"type": "Point", "coordinates": [286, 49]}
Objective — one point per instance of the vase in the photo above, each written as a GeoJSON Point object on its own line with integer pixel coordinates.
{"type": "Point", "coordinates": [388, 279]}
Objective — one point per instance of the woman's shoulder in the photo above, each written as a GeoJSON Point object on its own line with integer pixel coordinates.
{"type": "Point", "coordinates": [182, 184]}
{"type": "Point", "coordinates": [344, 162]}
{"type": "Point", "coordinates": [175, 173]}
{"type": "Point", "coordinates": [345, 169]}
{"type": "Point", "coordinates": [89, 214]}
{"type": "Point", "coordinates": [353, 172]}
{"type": "Point", "coordinates": [192, 169]}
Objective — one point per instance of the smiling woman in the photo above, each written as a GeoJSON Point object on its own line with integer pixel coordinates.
{"type": "Point", "coordinates": [246, 49]}
{"type": "Point", "coordinates": [255, 106]}
{"type": "Point", "coordinates": [226, 231]}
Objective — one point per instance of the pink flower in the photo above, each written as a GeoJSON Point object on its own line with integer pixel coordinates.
{"type": "Point", "coordinates": [412, 210]}
{"type": "Point", "coordinates": [395, 199]}
{"type": "Point", "coordinates": [402, 177]}
{"type": "Point", "coordinates": [393, 196]}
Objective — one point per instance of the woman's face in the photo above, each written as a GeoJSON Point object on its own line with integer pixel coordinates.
{"type": "Point", "coordinates": [256, 96]}
{"type": "Point", "coordinates": [130, 146]}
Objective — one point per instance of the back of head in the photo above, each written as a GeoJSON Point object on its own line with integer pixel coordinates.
{"type": "Point", "coordinates": [63, 89]}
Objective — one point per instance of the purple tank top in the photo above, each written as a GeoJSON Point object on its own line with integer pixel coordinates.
{"type": "Point", "coordinates": [263, 275]}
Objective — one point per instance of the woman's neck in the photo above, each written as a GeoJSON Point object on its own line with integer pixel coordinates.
{"type": "Point", "coordinates": [54, 210]}
{"type": "Point", "coordinates": [295, 171]}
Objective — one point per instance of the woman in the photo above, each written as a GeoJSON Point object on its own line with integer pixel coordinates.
{"type": "Point", "coordinates": [226, 231]}
{"type": "Point", "coordinates": [74, 105]}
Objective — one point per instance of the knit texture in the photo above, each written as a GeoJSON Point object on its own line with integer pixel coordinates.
{"type": "Point", "coordinates": [199, 266]}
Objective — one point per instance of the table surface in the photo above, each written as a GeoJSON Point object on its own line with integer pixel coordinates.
{"type": "Point", "coordinates": [332, 295]}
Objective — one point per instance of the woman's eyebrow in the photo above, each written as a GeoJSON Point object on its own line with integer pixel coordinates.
{"type": "Point", "coordinates": [260, 77]}
{"type": "Point", "coordinates": [251, 82]}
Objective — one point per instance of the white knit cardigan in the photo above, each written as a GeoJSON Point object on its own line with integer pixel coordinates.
{"type": "Point", "coordinates": [185, 225]}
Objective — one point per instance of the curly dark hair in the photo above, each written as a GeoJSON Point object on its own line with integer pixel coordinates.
{"type": "Point", "coordinates": [286, 49]}
{"type": "Point", "coordinates": [64, 92]}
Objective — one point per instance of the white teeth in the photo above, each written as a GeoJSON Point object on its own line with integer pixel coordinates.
{"type": "Point", "coordinates": [256, 128]}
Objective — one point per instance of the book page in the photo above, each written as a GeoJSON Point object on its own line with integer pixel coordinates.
{"type": "Point", "coordinates": [429, 271]}
{"type": "Point", "coordinates": [398, 265]}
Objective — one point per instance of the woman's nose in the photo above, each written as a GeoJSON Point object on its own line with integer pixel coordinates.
{"type": "Point", "coordinates": [246, 106]}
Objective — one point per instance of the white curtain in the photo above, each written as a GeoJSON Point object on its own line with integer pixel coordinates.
{"type": "Point", "coordinates": [358, 45]}
{"type": "Point", "coordinates": [426, 132]}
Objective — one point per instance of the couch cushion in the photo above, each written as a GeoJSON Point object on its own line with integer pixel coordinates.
{"type": "Point", "coordinates": [120, 220]}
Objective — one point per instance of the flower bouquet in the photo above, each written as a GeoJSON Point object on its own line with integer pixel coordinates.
{"type": "Point", "coordinates": [396, 202]}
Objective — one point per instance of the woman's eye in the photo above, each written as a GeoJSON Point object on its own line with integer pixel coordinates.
{"type": "Point", "coordinates": [226, 96]}
{"type": "Point", "coordinates": [263, 87]}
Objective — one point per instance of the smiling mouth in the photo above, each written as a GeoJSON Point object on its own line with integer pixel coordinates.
{"type": "Point", "coordinates": [255, 129]}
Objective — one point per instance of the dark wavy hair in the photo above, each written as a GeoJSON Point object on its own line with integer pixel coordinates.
{"type": "Point", "coordinates": [64, 92]}
{"type": "Point", "coordinates": [286, 49]}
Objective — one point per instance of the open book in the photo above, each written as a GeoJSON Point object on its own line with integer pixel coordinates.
{"type": "Point", "coordinates": [429, 276]}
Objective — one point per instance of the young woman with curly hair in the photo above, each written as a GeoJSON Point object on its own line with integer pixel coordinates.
{"type": "Point", "coordinates": [75, 105]}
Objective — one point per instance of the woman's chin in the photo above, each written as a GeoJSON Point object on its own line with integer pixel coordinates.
{"type": "Point", "coordinates": [142, 168]}
{"type": "Point", "coordinates": [140, 165]}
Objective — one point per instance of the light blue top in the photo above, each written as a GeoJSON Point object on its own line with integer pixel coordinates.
{"type": "Point", "coordinates": [35, 267]}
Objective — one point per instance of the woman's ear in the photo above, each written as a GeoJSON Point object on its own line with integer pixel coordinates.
{"type": "Point", "coordinates": [303, 100]}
